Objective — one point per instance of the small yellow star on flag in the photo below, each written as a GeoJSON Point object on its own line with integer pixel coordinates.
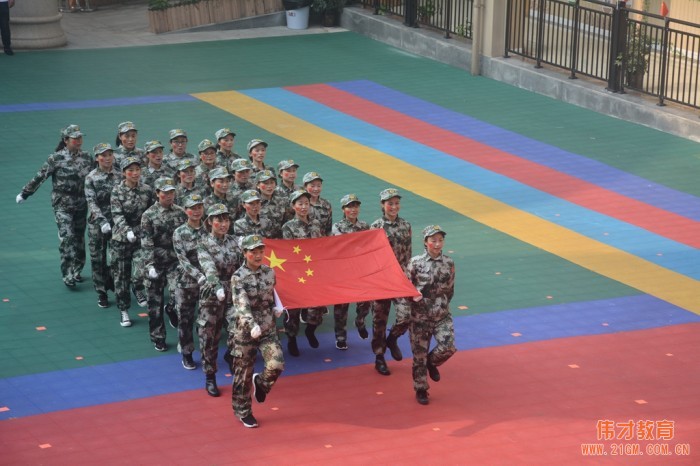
{"type": "Point", "coordinates": [307, 259]}
{"type": "Point", "coordinates": [276, 261]}
{"type": "Point", "coordinates": [297, 249]}
{"type": "Point", "coordinates": [302, 280]}
{"type": "Point", "coordinates": [309, 273]}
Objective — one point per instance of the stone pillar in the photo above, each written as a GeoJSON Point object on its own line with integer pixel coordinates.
{"type": "Point", "coordinates": [36, 24]}
{"type": "Point", "coordinates": [494, 23]}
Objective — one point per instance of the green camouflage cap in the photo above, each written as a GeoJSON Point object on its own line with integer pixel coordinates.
{"type": "Point", "coordinates": [129, 161]}
{"type": "Point", "coordinates": [388, 194]}
{"type": "Point", "coordinates": [256, 142]}
{"type": "Point", "coordinates": [297, 194]}
{"type": "Point", "coordinates": [101, 148]}
{"type": "Point", "coordinates": [285, 164]}
{"type": "Point", "coordinates": [218, 173]}
{"type": "Point", "coordinates": [192, 200]}
{"type": "Point", "coordinates": [223, 132]}
{"type": "Point", "coordinates": [264, 176]}
{"type": "Point", "coordinates": [430, 230]}
{"type": "Point", "coordinates": [349, 199]}
{"type": "Point", "coordinates": [71, 131]}
{"type": "Point", "coordinates": [252, 242]}
{"type": "Point", "coordinates": [165, 184]}
{"type": "Point", "coordinates": [126, 126]}
{"type": "Point", "coordinates": [309, 177]}
{"type": "Point", "coordinates": [240, 165]}
{"type": "Point", "coordinates": [250, 196]}
{"type": "Point", "coordinates": [176, 133]}
{"type": "Point", "coordinates": [184, 164]}
{"type": "Point", "coordinates": [206, 144]}
{"type": "Point", "coordinates": [217, 209]}
{"type": "Point", "coordinates": [150, 146]}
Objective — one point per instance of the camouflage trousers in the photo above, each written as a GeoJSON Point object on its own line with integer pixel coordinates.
{"type": "Point", "coordinates": [71, 240]}
{"type": "Point", "coordinates": [312, 316]}
{"type": "Point", "coordinates": [211, 320]}
{"type": "Point", "coordinates": [421, 332]}
{"type": "Point", "coordinates": [244, 353]}
{"type": "Point", "coordinates": [98, 243]}
{"type": "Point", "coordinates": [156, 295]}
{"type": "Point", "coordinates": [380, 317]}
{"type": "Point", "coordinates": [340, 317]}
{"type": "Point", "coordinates": [402, 322]}
{"type": "Point", "coordinates": [185, 306]}
{"type": "Point", "coordinates": [123, 255]}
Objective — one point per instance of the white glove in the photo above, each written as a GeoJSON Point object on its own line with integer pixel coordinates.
{"type": "Point", "coordinates": [106, 228]}
{"type": "Point", "coordinates": [152, 273]}
{"type": "Point", "coordinates": [255, 332]}
{"type": "Point", "coordinates": [278, 311]}
{"type": "Point", "coordinates": [20, 199]}
{"type": "Point", "coordinates": [417, 298]}
{"type": "Point", "coordinates": [220, 294]}
{"type": "Point", "coordinates": [202, 280]}
{"type": "Point", "coordinates": [131, 236]}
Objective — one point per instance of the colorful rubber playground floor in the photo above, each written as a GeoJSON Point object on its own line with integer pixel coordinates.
{"type": "Point", "coordinates": [575, 238]}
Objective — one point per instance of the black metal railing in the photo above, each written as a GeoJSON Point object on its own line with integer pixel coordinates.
{"type": "Point", "coordinates": [454, 17]}
{"type": "Point", "coordinates": [624, 47]}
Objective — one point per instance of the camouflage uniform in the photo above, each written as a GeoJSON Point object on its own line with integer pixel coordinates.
{"type": "Point", "coordinates": [430, 317]}
{"type": "Point", "coordinates": [181, 192]}
{"type": "Point", "coordinates": [340, 311]}
{"type": "Point", "coordinates": [297, 229]}
{"type": "Point", "coordinates": [158, 224]}
{"type": "Point", "coordinates": [171, 160]}
{"type": "Point", "coordinates": [201, 179]}
{"type": "Point", "coordinates": [236, 189]}
{"type": "Point", "coordinates": [399, 234]}
{"type": "Point", "coordinates": [120, 153]}
{"type": "Point", "coordinates": [219, 259]}
{"type": "Point", "coordinates": [128, 204]}
{"type": "Point", "coordinates": [253, 300]}
{"type": "Point", "coordinates": [185, 241]}
{"type": "Point", "coordinates": [323, 212]}
{"type": "Point", "coordinates": [273, 214]}
{"type": "Point", "coordinates": [67, 172]}
{"type": "Point", "coordinates": [98, 190]}
{"type": "Point", "coordinates": [225, 160]}
{"type": "Point", "coordinates": [149, 175]}
{"type": "Point", "coordinates": [232, 203]}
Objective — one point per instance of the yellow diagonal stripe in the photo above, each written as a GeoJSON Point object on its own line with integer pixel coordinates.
{"type": "Point", "coordinates": [611, 262]}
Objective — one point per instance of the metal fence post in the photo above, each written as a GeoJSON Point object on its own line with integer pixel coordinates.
{"type": "Point", "coordinates": [617, 32]}
{"type": "Point", "coordinates": [540, 33]}
{"type": "Point", "coordinates": [509, 20]}
{"type": "Point", "coordinates": [574, 42]}
{"type": "Point", "coordinates": [411, 13]}
{"type": "Point", "coordinates": [448, 19]}
{"type": "Point", "coordinates": [664, 63]}
{"type": "Point", "coordinates": [376, 7]}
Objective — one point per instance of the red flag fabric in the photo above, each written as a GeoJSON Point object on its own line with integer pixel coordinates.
{"type": "Point", "coordinates": [664, 9]}
{"type": "Point", "coordinates": [336, 269]}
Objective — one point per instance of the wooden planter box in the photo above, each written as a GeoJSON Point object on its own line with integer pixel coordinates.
{"type": "Point", "coordinates": [208, 12]}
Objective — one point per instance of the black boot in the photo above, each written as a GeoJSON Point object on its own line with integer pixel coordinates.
{"type": "Point", "coordinates": [422, 397]}
{"type": "Point", "coordinates": [380, 365]}
{"type": "Point", "coordinates": [309, 332]}
{"type": "Point", "coordinates": [210, 385]}
{"type": "Point", "coordinates": [433, 371]}
{"type": "Point", "coordinates": [393, 347]}
{"type": "Point", "coordinates": [292, 346]}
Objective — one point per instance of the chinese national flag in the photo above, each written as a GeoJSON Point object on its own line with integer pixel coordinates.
{"type": "Point", "coordinates": [336, 269]}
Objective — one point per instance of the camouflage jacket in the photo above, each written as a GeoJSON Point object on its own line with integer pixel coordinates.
{"type": "Point", "coordinates": [273, 214]}
{"type": "Point", "coordinates": [67, 172]}
{"type": "Point", "coordinates": [345, 226]}
{"type": "Point", "coordinates": [285, 190]}
{"type": "Point", "coordinates": [323, 212]}
{"type": "Point", "coordinates": [399, 234]}
{"type": "Point", "coordinates": [201, 178]}
{"type": "Point", "coordinates": [128, 204]}
{"type": "Point", "coordinates": [185, 241]}
{"type": "Point", "coordinates": [297, 229]}
{"type": "Point", "coordinates": [224, 160]}
{"type": "Point", "coordinates": [256, 170]}
{"type": "Point", "coordinates": [236, 189]}
{"type": "Point", "coordinates": [181, 193]}
{"type": "Point", "coordinates": [172, 160]}
{"type": "Point", "coordinates": [219, 258]}
{"type": "Point", "coordinates": [246, 226]}
{"type": "Point", "coordinates": [435, 279]}
{"type": "Point", "coordinates": [253, 299]}
{"type": "Point", "coordinates": [232, 202]}
{"type": "Point", "coordinates": [149, 175]}
{"type": "Point", "coordinates": [157, 227]}
{"type": "Point", "coordinates": [120, 153]}
{"type": "Point", "coordinates": [98, 190]}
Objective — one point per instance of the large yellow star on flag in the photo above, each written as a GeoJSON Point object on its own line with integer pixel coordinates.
{"type": "Point", "coordinates": [276, 261]}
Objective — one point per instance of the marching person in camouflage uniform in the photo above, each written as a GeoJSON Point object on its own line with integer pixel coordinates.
{"type": "Point", "coordinates": [225, 139]}
{"type": "Point", "coordinates": [220, 180]}
{"type": "Point", "coordinates": [241, 169]}
{"type": "Point", "coordinates": [433, 275]}
{"type": "Point", "coordinates": [67, 166]}
{"type": "Point", "coordinates": [287, 170]}
{"type": "Point", "coordinates": [98, 189]}
{"type": "Point", "coordinates": [129, 200]}
{"type": "Point", "coordinates": [320, 208]}
{"type": "Point", "coordinates": [184, 177]}
{"type": "Point", "coordinates": [207, 162]}
{"type": "Point", "coordinates": [250, 224]}
{"type": "Point", "coordinates": [219, 257]}
{"type": "Point", "coordinates": [399, 233]}
{"type": "Point", "coordinates": [155, 167]}
{"type": "Point", "coordinates": [300, 227]}
{"type": "Point", "coordinates": [158, 223]}
{"type": "Point", "coordinates": [274, 208]}
{"type": "Point", "coordinates": [178, 149]}
{"type": "Point", "coordinates": [126, 144]}
{"type": "Point", "coordinates": [350, 223]}
{"type": "Point", "coordinates": [253, 318]}
{"type": "Point", "coordinates": [257, 150]}
{"type": "Point", "coordinates": [190, 277]}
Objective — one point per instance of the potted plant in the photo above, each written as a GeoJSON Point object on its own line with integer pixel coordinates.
{"type": "Point", "coordinates": [330, 11]}
{"type": "Point", "coordinates": [635, 58]}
